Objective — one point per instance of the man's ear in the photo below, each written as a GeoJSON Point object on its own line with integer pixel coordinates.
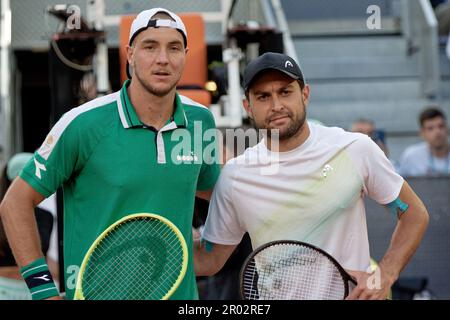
{"type": "Point", "coordinates": [305, 94]}
{"type": "Point", "coordinates": [129, 50]}
{"type": "Point", "coordinates": [247, 108]}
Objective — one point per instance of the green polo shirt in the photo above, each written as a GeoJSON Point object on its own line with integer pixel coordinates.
{"type": "Point", "coordinates": [111, 165]}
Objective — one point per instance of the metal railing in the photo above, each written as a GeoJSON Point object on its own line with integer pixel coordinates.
{"type": "Point", "coordinates": [6, 112]}
{"type": "Point", "coordinates": [272, 15]}
{"type": "Point", "coordinates": [421, 30]}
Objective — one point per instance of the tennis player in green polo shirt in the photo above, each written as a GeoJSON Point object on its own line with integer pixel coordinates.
{"type": "Point", "coordinates": [117, 155]}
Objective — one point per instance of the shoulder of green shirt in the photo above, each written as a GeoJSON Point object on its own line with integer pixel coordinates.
{"type": "Point", "coordinates": [197, 112]}
{"type": "Point", "coordinates": [74, 136]}
{"type": "Point", "coordinates": [99, 115]}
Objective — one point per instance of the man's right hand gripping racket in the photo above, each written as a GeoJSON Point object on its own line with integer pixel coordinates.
{"type": "Point", "coordinates": [293, 270]}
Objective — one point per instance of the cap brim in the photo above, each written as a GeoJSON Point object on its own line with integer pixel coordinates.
{"type": "Point", "coordinates": [291, 75]}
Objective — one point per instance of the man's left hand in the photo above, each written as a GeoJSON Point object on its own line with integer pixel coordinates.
{"type": "Point", "coordinates": [371, 286]}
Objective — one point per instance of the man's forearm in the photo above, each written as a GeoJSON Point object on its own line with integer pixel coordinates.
{"type": "Point", "coordinates": [405, 241]}
{"type": "Point", "coordinates": [209, 262]}
{"type": "Point", "coordinates": [19, 222]}
{"type": "Point", "coordinates": [202, 263]}
{"type": "Point", "coordinates": [21, 229]}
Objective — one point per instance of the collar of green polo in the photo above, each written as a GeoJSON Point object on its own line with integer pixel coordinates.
{"type": "Point", "coordinates": [130, 119]}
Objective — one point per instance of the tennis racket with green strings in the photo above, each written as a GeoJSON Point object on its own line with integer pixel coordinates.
{"type": "Point", "coordinates": [140, 257]}
{"type": "Point", "coordinates": [293, 270]}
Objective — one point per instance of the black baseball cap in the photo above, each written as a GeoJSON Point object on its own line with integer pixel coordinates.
{"type": "Point", "coordinates": [272, 61]}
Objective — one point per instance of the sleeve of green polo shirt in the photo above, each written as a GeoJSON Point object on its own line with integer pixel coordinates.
{"type": "Point", "coordinates": [58, 157]}
{"type": "Point", "coordinates": [210, 170]}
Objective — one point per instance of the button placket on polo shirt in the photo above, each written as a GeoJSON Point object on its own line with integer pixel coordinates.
{"type": "Point", "coordinates": [160, 147]}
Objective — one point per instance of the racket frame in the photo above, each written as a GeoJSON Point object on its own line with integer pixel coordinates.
{"type": "Point", "coordinates": [345, 276]}
{"type": "Point", "coordinates": [79, 287]}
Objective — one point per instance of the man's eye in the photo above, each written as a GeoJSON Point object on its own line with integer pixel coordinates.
{"type": "Point", "coordinates": [262, 97]}
{"type": "Point", "coordinates": [175, 48]}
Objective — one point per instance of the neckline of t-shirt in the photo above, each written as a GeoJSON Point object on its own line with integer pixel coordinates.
{"type": "Point", "coordinates": [437, 158]}
{"type": "Point", "coordinates": [297, 150]}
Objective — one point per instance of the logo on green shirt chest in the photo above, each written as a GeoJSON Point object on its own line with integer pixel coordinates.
{"type": "Point", "coordinates": [192, 157]}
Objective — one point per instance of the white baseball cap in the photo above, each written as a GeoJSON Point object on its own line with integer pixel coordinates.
{"type": "Point", "coordinates": [144, 21]}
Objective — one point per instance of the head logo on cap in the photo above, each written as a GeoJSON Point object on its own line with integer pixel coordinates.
{"type": "Point", "coordinates": [288, 64]}
{"type": "Point", "coordinates": [271, 61]}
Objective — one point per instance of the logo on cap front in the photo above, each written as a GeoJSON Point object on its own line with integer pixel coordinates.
{"type": "Point", "coordinates": [288, 64]}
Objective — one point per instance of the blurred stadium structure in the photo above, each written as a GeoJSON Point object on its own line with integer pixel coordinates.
{"type": "Point", "coordinates": [387, 75]}
{"type": "Point", "coordinates": [430, 264]}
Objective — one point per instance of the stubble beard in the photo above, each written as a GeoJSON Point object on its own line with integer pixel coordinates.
{"type": "Point", "coordinates": [294, 127]}
{"type": "Point", "coordinates": [441, 144]}
{"type": "Point", "coordinates": [159, 92]}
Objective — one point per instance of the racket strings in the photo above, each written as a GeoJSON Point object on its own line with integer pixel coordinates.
{"type": "Point", "coordinates": [133, 290]}
{"type": "Point", "coordinates": [110, 258]}
{"type": "Point", "coordinates": [160, 287]}
{"type": "Point", "coordinates": [140, 268]}
{"type": "Point", "coordinates": [139, 260]}
{"type": "Point", "coordinates": [288, 271]}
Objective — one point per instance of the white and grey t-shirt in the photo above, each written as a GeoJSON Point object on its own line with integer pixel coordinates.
{"type": "Point", "coordinates": [315, 195]}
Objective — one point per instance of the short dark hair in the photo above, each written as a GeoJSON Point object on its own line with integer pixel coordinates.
{"type": "Point", "coordinates": [430, 113]}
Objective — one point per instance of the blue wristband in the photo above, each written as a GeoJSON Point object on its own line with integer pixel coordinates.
{"type": "Point", "coordinates": [397, 208]}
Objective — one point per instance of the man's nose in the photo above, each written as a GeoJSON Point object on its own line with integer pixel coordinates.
{"type": "Point", "coordinates": [162, 57]}
{"type": "Point", "coordinates": [277, 105]}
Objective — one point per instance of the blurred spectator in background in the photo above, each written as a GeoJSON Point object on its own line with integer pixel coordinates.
{"type": "Point", "coordinates": [442, 11]}
{"type": "Point", "coordinates": [88, 88]}
{"type": "Point", "coordinates": [367, 127]}
{"type": "Point", "coordinates": [12, 285]}
{"type": "Point", "coordinates": [431, 157]}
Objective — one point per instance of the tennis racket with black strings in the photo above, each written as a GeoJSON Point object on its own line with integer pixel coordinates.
{"type": "Point", "coordinates": [293, 270]}
{"type": "Point", "coordinates": [140, 257]}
